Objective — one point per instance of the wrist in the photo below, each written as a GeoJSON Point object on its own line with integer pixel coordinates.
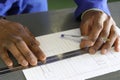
{"type": "Point", "coordinates": [92, 9]}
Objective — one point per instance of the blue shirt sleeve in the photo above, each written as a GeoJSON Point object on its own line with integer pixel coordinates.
{"type": "Point", "coordinates": [84, 5]}
{"type": "Point", "coordinates": [4, 7]}
{"type": "Point", "coordinates": [12, 7]}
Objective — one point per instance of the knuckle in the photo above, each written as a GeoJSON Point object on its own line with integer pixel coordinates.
{"type": "Point", "coordinates": [113, 32]}
{"type": "Point", "coordinates": [93, 39]}
{"type": "Point", "coordinates": [108, 44]}
{"type": "Point", "coordinates": [17, 55]}
{"type": "Point", "coordinates": [109, 18]}
{"type": "Point", "coordinates": [27, 54]}
{"type": "Point", "coordinates": [104, 33]}
{"type": "Point", "coordinates": [99, 26]}
{"type": "Point", "coordinates": [99, 40]}
{"type": "Point", "coordinates": [18, 27]}
{"type": "Point", "coordinates": [17, 39]}
{"type": "Point", "coordinates": [37, 51]}
{"type": "Point", "coordinates": [33, 44]}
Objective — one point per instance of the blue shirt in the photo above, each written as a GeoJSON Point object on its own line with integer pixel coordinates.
{"type": "Point", "coordinates": [84, 5]}
{"type": "Point", "coordinates": [11, 7]}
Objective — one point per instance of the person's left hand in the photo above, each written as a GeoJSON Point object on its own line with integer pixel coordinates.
{"type": "Point", "coordinates": [101, 31]}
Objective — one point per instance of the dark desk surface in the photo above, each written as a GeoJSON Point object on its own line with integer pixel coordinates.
{"type": "Point", "coordinates": [54, 21]}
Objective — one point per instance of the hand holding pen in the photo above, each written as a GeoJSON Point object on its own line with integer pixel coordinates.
{"type": "Point", "coordinates": [82, 37]}
{"type": "Point", "coordinates": [101, 31]}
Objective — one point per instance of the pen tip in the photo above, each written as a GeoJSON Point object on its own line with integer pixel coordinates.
{"type": "Point", "coordinates": [62, 35]}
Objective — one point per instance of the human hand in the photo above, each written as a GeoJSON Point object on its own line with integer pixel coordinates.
{"type": "Point", "coordinates": [20, 42]}
{"type": "Point", "coordinates": [98, 26]}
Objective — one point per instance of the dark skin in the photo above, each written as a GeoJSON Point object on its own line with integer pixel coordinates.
{"type": "Point", "coordinates": [97, 25]}
{"type": "Point", "coordinates": [20, 42]}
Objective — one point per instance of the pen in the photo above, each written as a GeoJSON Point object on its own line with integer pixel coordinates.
{"type": "Point", "coordinates": [83, 37]}
{"type": "Point", "coordinates": [68, 35]}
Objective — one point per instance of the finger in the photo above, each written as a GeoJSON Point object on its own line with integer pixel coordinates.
{"type": "Point", "coordinates": [93, 34]}
{"type": "Point", "coordinates": [112, 37]}
{"type": "Point", "coordinates": [38, 53]}
{"type": "Point", "coordinates": [30, 57]}
{"type": "Point", "coordinates": [28, 31]}
{"type": "Point", "coordinates": [84, 28]}
{"type": "Point", "coordinates": [84, 43]}
{"type": "Point", "coordinates": [17, 54]}
{"type": "Point", "coordinates": [117, 44]}
{"type": "Point", "coordinates": [34, 46]}
{"type": "Point", "coordinates": [4, 56]}
{"type": "Point", "coordinates": [29, 38]}
{"type": "Point", "coordinates": [96, 29]}
{"type": "Point", "coordinates": [103, 35]}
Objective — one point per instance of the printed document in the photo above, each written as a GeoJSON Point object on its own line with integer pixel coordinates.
{"type": "Point", "coordinates": [79, 67]}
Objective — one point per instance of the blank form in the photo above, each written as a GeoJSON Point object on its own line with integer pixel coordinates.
{"type": "Point", "coordinates": [79, 67]}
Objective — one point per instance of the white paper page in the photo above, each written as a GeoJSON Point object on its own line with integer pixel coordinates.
{"type": "Point", "coordinates": [53, 44]}
{"type": "Point", "coordinates": [81, 67]}
{"type": "Point", "coordinates": [76, 68]}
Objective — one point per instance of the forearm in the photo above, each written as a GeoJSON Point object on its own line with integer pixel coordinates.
{"type": "Point", "coordinates": [84, 5]}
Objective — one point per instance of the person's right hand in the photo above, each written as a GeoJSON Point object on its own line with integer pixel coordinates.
{"type": "Point", "coordinates": [20, 42]}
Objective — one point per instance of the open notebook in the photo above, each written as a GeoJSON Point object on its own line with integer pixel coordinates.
{"type": "Point", "coordinates": [79, 67]}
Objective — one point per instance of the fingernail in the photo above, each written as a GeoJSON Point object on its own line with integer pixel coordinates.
{"type": "Point", "coordinates": [24, 63]}
{"type": "Point", "coordinates": [92, 51]}
{"type": "Point", "coordinates": [10, 64]}
{"type": "Point", "coordinates": [33, 62]}
{"type": "Point", "coordinates": [104, 51]}
{"type": "Point", "coordinates": [43, 59]}
{"type": "Point", "coordinates": [86, 43]}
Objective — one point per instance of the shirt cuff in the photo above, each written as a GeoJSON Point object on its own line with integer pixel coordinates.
{"type": "Point", "coordinates": [95, 9]}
